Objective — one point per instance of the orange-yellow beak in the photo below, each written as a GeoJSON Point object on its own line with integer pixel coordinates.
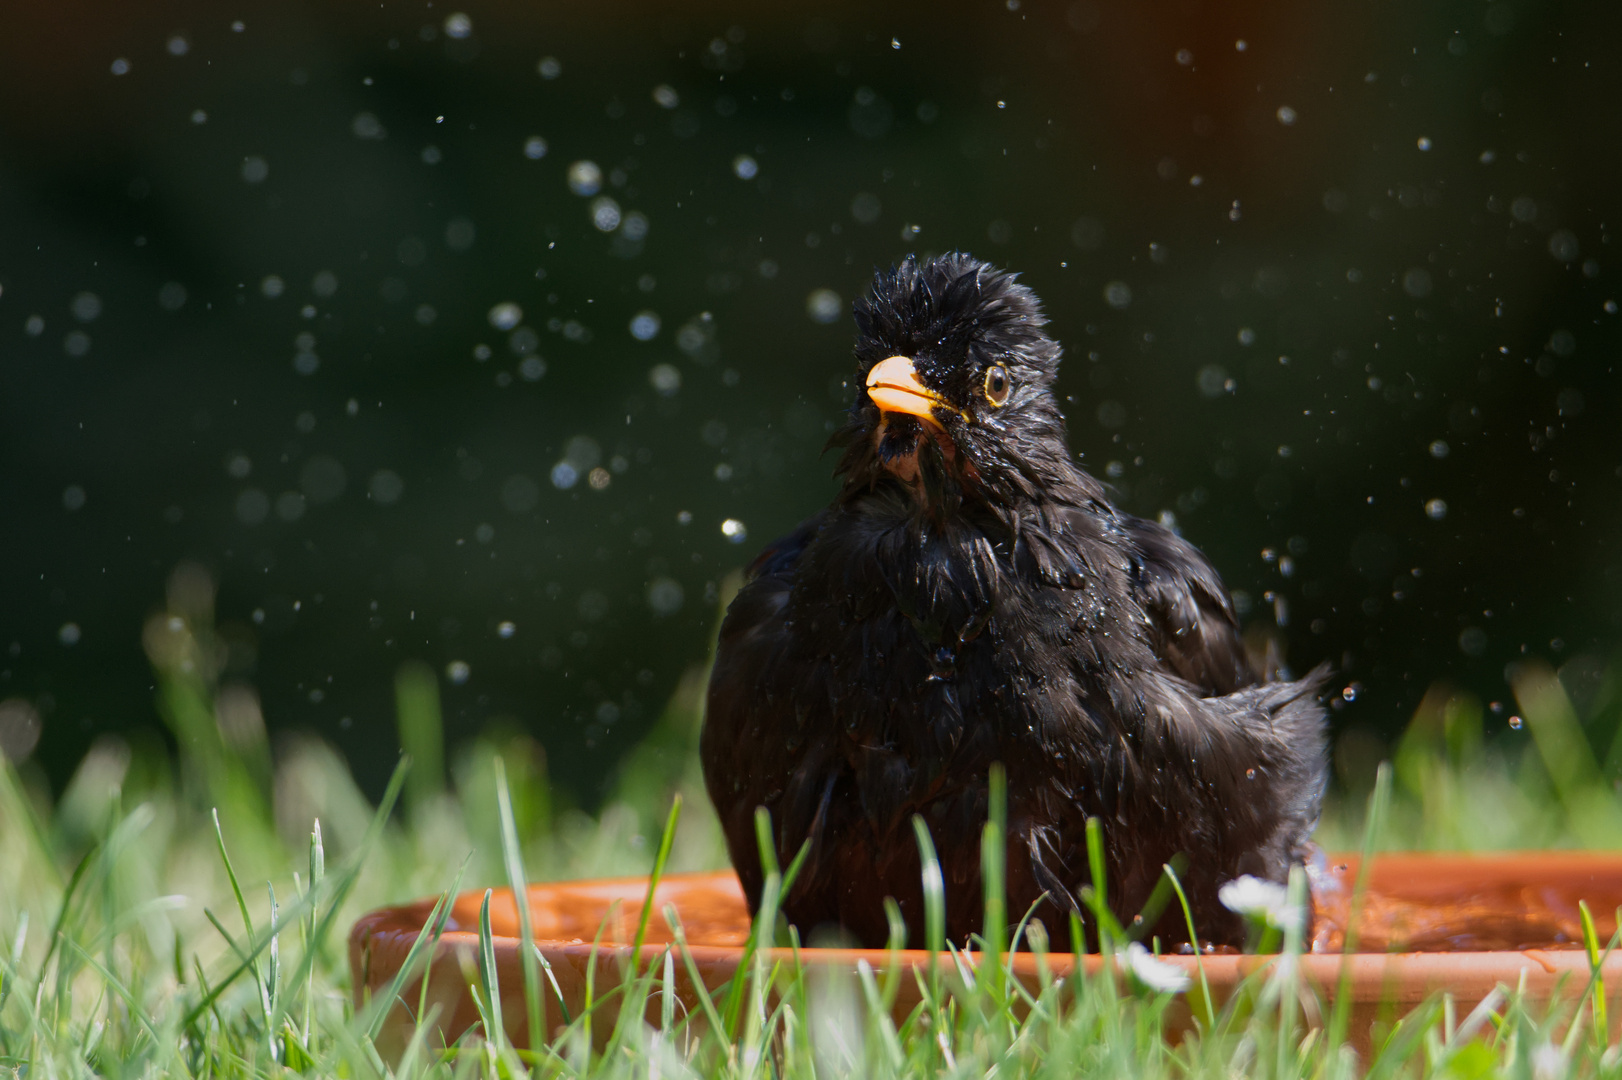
{"type": "Point", "coordinates": [894, 387]}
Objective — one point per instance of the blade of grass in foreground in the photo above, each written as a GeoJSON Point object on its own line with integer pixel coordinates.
{"type": "Point", "coordinates": [993, 875]}
{"type": "Point", "coordinates": [679, 935]}
{"type": "Point", "coordinates": [636, 987]}
{"type": "Point", "coordinates": [1595, 963]}
{"type": "Point", "coordinates": [495, 1031]}
{"type": "Point", "coordinates": [432, 929]}
{"type": "Point", "coordinates": [1379, 801]}
{"type": "Point", "coordinates": [666, 841]}
{"type": "Point", "coordinates": [765, 918]}
{"type": "Point", "coordinates": [318, 871]}
{"type": "Point", "coordinates": [61, 922]}
{"type": "Point", "coordinates": [534, 1003]}
{"type": "Point", "coordinates": [934, 888]}
{"type": "Point", "coordinates": [346, 880]}
{"type": "Point", "coordinates": [1194, 942]}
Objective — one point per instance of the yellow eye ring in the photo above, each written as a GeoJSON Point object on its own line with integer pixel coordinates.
{"type": "Point", "coordinates": [998, 385]}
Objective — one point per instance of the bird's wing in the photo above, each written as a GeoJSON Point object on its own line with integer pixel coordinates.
{"type": "Point", "coordinates": [1193, 628]}
{"type": "Point", "coordinates": [748, 761]}
{"type": "Point", "coordinates": [778, 558]}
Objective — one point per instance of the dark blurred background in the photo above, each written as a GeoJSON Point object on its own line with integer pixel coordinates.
{"type": "Point", "coordinates": [497, 335]}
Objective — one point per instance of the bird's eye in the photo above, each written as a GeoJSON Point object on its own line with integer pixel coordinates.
{"type": "Point", "coordinates": [997, 384]}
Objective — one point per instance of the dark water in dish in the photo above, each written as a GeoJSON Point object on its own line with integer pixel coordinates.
{"type": "Point", "coordinates": [348, 304]}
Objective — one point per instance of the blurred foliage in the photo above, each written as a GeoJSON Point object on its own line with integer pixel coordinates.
{"type": "Point", "coordinates": [111, 966]}
{"type": "Point", "coordinates": [1545, 775]}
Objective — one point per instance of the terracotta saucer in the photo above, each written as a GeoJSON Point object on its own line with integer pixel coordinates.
{"type": "Point", "coordinates": [1463, 924]}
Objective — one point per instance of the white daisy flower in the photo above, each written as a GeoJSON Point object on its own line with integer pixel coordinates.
{"type": "Point", "coordinates": [1260, 900]}
{"type": "Point", "coordinates": [1152, 972]}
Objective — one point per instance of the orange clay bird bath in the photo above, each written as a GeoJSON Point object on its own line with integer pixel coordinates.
{"type": "Point", "coordinates": [1462, 924]}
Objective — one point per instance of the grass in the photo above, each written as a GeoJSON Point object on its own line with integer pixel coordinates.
{"type": "Point", "coordinates": [186, 918]}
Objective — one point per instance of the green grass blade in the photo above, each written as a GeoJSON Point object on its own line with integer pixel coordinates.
{"type": "Point", "coordinates": [993, 878]}
{"type": "Point", "coordinates": [61, 923]}
{"type": "Point", "coordinates": [490, 981]}
{"type": "Point", "coordinates": [705, 1001]}
{"type": "Point", "coordinates": [1379, 803]}
{"type": "Point", "coordinates": [513, 857]}
{"type": "Point", "coordinates": [1100, 888]}
{"type": "Point", "coordinates": [432, 929]}
{"type": "Point", "coordinates": [1194, 941]}
{"type": "Point", "coordinates": [765, 922]}
{"type": "Point", "coordinates": [934, 888]}
{"type": "Point", "coordinates": [1591, 944]}
{"type": "Point", "coordinates": [345, 882]}
{"type": "Point", "coordinates": [666, 842]}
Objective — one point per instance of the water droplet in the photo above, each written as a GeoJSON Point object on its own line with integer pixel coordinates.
{"type": "Point", "coordinates": [1564, 246]}
{"type": "Point", "coordinates": [458, 25]}
{"type": "Point", "coordinates": [69, 634]}
{"type": "Point", "coordinates": [458, 672]}
{"type": "Point", "coordinates": [824, 305]}
{"type": "Point", "coordinates": [665, 596]}
{"type": "Point", "coordinates": [745, 167]}
{"type": "Point", "coordinates": [548, 67]}
{"type": "Point", "coordinates": [1439, 448]}
{"type": "Point", "coordinates": [605, 214]}
{"type": "Point", "coordinates": [506, 628]}
{"type": "Point", "coordinates": [86, 307]}
{"type": "Point", "coordinates": [1423, 143]}
{"type": "Point", "coordinates": [1213, 381]}
{"type": "Point", "coordinates": [1349, 693]}
{"type": "Point", "coordinates": [121, 66]}
{"type": "Point", "coordinates": [1250, 774]}
{"type": "Point", "coordinates": [1118, 294]}
{"type": "Point", "coordinates": [367, 126]}
{"type": "Point", "coordinates": [506, 315]}
{"type": "Point", "coordinates": [734, 530]}
{"type": "Point", "coordinates": [535, 148]}
{"type": "Point", "coordinates": [1286, 115]}
{"type": "Point", "coordinates": [1515, 722]}
{"type": "Point", "coordinates": [585, 178]}
{"type": "Point", "coordinates": [253, 506]}
{"type": "Point", "coordinates": [385, 487]}
{"type": "Point", "coordinates": [1436, 509]}
{"type": "Point", "coordinates": [645, 325]}
{"type": "Point", "coordinates": [73, 497]}
{"type": "Point", "coordinates": [290, 505]}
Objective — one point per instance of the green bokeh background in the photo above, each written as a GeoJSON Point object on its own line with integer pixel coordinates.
{"type": "Point", "coordinates": [1337, 285]}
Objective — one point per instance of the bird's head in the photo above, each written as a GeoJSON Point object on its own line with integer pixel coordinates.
{"type": "Point", "coordinates": [955, 376]}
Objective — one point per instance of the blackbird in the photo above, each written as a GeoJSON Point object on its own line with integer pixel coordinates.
{"type": "Point", "coordinates": [972, 597]}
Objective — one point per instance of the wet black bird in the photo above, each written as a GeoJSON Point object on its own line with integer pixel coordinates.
{"type": "Point", "coordinates": [973, 597]}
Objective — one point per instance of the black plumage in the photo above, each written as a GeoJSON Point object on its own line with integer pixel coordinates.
{"type": "Point", "coordinates": [970, 597]}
